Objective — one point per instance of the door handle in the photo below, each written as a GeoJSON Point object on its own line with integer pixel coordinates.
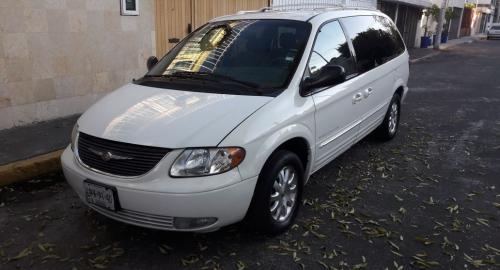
{"type": "Point", "coordinates": [368, 92]}
{"type": "Point", "coordinates": [358, 97]}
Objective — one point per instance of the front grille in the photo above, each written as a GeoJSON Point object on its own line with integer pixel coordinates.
{"type": "Point", "coordinates": [118, 158]}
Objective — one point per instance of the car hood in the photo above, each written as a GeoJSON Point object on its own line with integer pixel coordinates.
{"type": "Point", "coordinates": [167, 118]}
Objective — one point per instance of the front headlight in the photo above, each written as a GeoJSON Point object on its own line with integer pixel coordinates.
{"type": "Point", "coordinates": [206, 161]}
{"type": "Point", "coordinates": [74, 134]}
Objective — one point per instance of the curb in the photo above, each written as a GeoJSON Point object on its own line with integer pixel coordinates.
{"type": "Point", "coordinates": [25, 169]}
{"type": "Point", "coordinates": [446, 47]}
{"type": "Point", "coordinates": [412, 61]}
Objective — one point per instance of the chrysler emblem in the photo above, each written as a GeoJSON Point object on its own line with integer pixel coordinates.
{"type": "Point", "coordinates": [107, 155]}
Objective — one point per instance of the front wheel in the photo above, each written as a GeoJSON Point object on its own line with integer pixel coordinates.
{"type": "Point", "coordinates": [389, 127]}
{"type": "Point", "coordinates": [277, 195]}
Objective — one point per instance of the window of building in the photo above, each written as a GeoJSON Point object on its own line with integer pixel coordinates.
{"type": "Point", "coordinates": [129, 7]}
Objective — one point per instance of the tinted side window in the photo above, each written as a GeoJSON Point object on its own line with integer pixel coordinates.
{"type": "Point", "coordinates": [331, 47]}
{"type": "Point", "coordinates": [375, 40]}
{"type": "Point", "coordinates": [394, 36]}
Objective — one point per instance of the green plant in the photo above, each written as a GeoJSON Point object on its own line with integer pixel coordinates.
{"type": "Point", "coordinates": [448, 15]}
{"type": "Point", "coordinates": [469, 5]}
{"type": "Point", "coordinates": [434, 11]}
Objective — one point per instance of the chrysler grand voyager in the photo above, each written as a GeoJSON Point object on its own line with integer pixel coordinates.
{"type": "Point", "coordinates": [231, 123]}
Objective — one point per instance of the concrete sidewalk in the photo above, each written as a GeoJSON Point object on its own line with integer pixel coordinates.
{"type": "Point", "coordinates": [33, 150]}
{"type": "Point", "coordinates": [419, 54]}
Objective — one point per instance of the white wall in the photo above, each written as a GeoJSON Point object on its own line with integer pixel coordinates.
{"type": "Point", "coordinates": [58, 56]}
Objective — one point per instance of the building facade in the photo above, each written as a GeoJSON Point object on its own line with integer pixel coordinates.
{"type": "Point", "coordinates": [407, 15]}
{"type": "Point", "coordinates": [483, 15]}
{"type": "Point", "coordinates": [57, 57]}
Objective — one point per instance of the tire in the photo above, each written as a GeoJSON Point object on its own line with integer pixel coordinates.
{"type": "Point", "coordinates": [260, 216]}
{"type": "Point", "coordinates": [389, 127]}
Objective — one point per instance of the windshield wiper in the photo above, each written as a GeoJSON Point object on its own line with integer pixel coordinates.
{"type": "Point", "coordinates": [206, 76]}
{"type": "Point", "coordinates": [215, 78]}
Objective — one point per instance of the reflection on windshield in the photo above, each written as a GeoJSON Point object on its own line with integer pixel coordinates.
{"type": "Point", "coordinates": [200, 53]}
{"type": "Point", "coordinates": [263, 53]}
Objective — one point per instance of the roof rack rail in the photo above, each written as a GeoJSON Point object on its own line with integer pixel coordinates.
{"type": "Point", "coordinates": [295, 5]}
{"type": "Point", "coordinates": [291, 5]}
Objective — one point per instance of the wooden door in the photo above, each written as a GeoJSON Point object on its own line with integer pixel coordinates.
{"type": "Point", "coordinates": [205, 10]}
{"type": "Point", "coordinates": [174, 18]}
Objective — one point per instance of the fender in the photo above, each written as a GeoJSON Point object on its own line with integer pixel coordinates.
{"type": "Point", "coordinates": [265, 146]}
{"type": "Point", "coordinates": [260, 135]}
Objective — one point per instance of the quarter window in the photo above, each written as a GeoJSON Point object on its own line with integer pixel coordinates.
{"type": "Point", "coordinates": [375, 40]}
{"type": "Point", "coordinates": [331, 47]}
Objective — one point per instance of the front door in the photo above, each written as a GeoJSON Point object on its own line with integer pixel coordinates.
{"type": "Point", "coordinates": [336, 106]}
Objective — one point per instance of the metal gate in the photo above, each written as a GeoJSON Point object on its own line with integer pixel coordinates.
{"type": "Point", "coordinates": [407, 22]}
{"type": "Point", "coordinates": [405, 17]}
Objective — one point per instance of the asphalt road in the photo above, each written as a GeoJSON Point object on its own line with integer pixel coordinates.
{"type": "Point", "coordinates": [428, 199]}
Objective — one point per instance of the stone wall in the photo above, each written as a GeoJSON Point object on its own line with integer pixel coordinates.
{"type": "Point", "coordinates": [57, 57]}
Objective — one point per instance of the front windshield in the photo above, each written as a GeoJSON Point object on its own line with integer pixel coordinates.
{"type": "Point", "coordinates": [262, 54]}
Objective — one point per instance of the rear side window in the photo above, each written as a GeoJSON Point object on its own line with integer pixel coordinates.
{"type": "Point", "coordinates": [375, 40]}
{"type": "Point", "coordinates": [331, 47]}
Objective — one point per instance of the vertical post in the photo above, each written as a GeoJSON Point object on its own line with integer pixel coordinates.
{"type": "Point", "coordinates": [460, 22]}
{"type": "Point", "coordinates": [439, 31]}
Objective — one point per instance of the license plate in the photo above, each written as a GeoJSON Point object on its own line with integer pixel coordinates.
{"type": "Point", "coordinates": [101, 195]}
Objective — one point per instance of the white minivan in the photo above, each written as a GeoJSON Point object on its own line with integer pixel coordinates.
{"type": "Point", "coordinates": [231, 123]}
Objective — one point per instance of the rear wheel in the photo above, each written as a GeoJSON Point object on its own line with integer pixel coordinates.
{"type": "Point", "coordinates": [389, 127]}
{"type": "Point", "coordinates": [277, 195]}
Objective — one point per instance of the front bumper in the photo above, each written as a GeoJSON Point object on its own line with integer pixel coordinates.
{"type": "Point", "coordinates": [155, 200]}
{"type": "Point", "coordinates": [491, 35]}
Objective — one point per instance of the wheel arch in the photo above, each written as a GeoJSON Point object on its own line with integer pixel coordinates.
{"type": "Point", "coordinates": [298, 138]}
{"type": "Point", "coordinates": [301, 147]}
{"type": "Point", "coordinates": [400, 88]}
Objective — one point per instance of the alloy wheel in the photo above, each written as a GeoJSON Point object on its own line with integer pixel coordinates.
{"type": "Point", "coordinates": [284, 194]}
{"type": "Point", "coordinates": [393, 118]}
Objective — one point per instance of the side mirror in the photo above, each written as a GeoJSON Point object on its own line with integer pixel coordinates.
{"type": "Point", "coordinates": [327, 76]}
{"type": "Point", "coordinates": [151, 62]}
